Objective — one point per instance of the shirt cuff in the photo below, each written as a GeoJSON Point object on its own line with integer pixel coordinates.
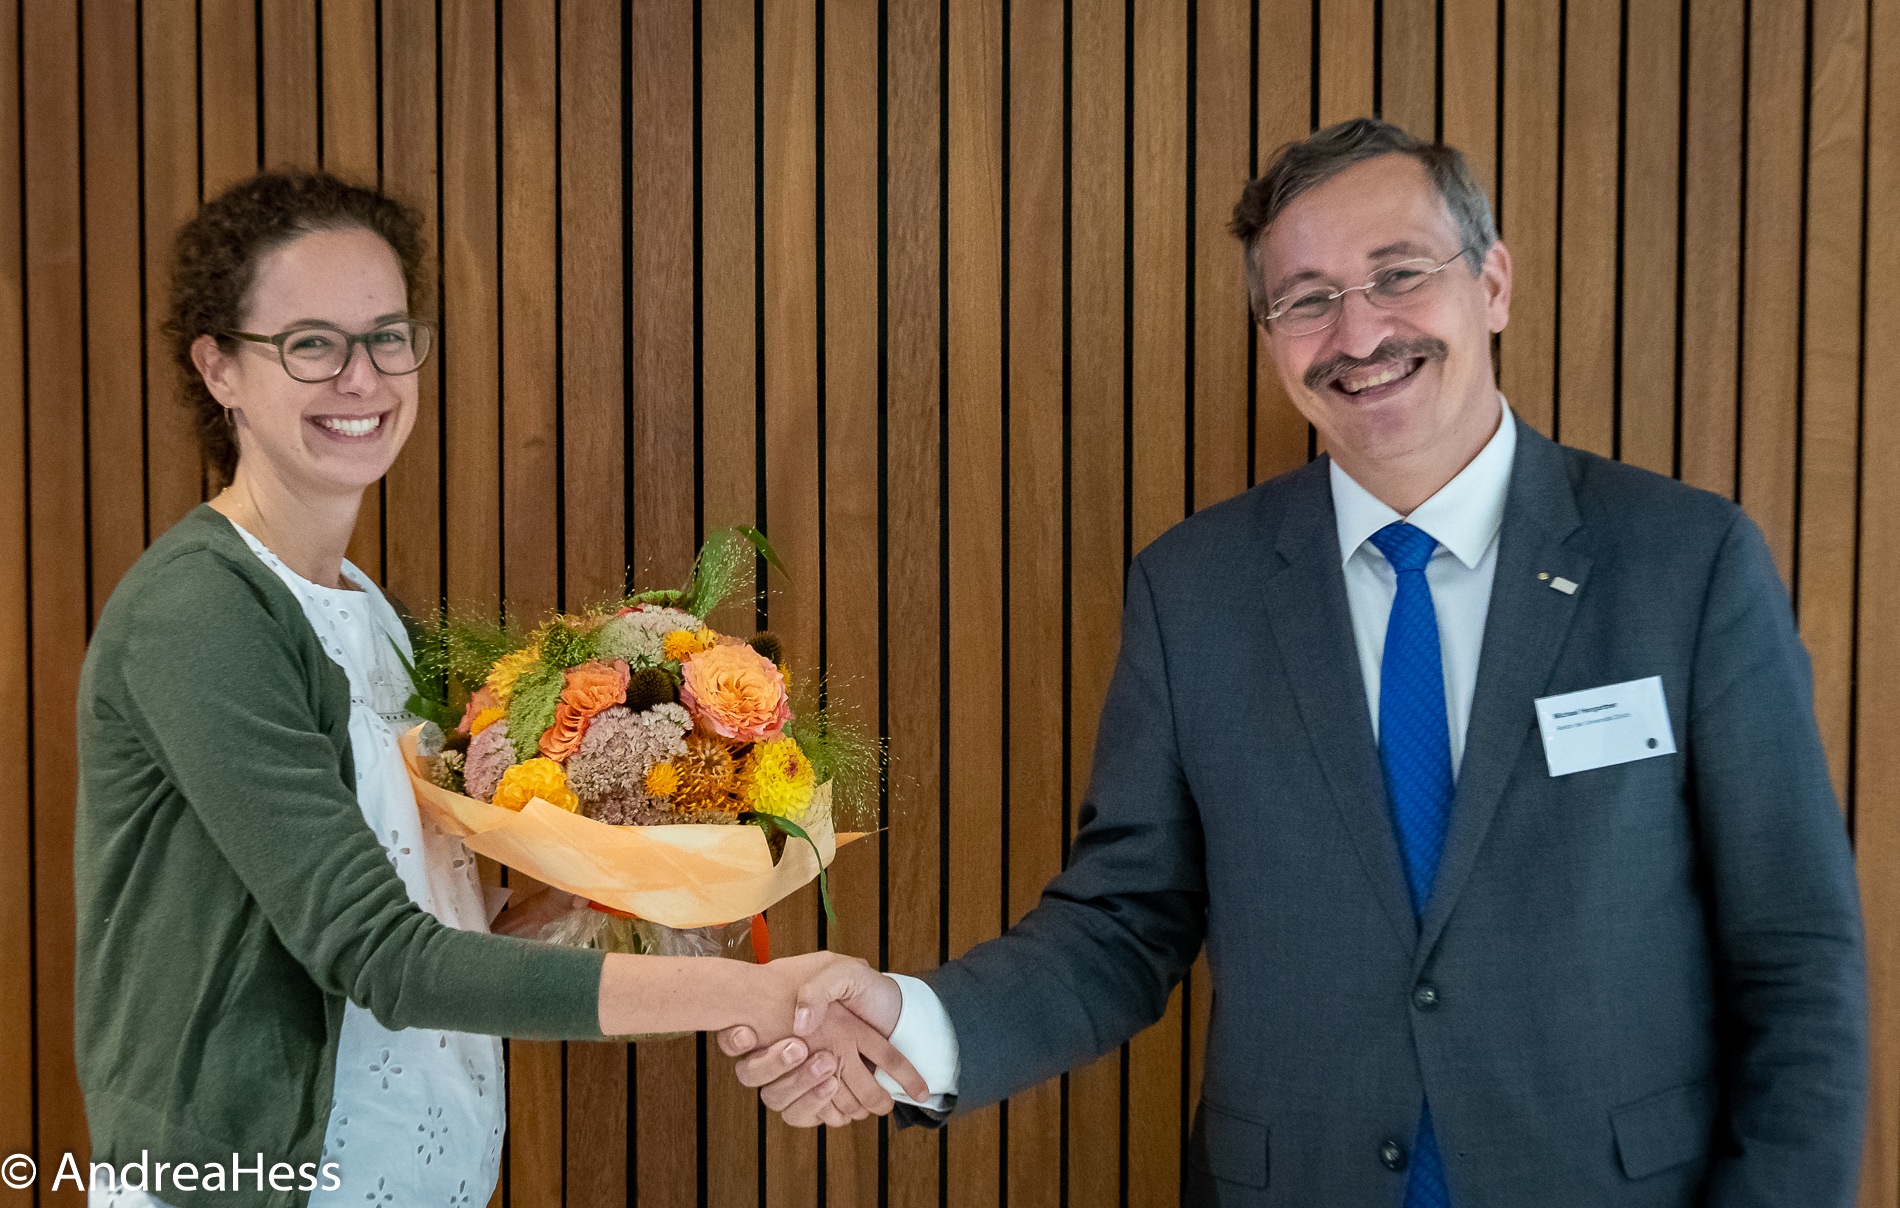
{"type": "Point", "coordinates": [928, 1040]}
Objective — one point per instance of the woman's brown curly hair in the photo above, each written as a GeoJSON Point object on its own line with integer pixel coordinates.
{"type": "Point", "coordinates": [215, 259]}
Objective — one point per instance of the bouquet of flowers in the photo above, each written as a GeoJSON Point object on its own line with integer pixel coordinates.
{"type": "Point", "coordinates": [633, 755]}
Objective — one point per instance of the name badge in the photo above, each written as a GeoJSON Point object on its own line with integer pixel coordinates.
{"type": "Point", "coordinates": [1599, 727]}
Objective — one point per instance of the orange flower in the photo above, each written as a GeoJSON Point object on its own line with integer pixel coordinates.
{"type": "Point", "coordinates": [735, 692]}
{"type": "Point", "coordinates": [594, 686]}
{"type": "Point", "coordinates": [478, 704]}
{"type": "Point", "coordinates": [563, 738]}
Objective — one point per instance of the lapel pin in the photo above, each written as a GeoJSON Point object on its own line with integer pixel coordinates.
{"type": "Point", "coordinates": [1564, 585]}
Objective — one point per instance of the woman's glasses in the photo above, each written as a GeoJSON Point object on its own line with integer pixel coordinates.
{"type": "Point", "coordinates": [318, 352]}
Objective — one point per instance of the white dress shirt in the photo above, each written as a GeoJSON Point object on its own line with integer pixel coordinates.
{"type": "Point", "coordinates": [1464, 516]}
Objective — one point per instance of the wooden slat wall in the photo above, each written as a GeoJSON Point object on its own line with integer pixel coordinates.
{"type": "Point", "coordinates": [939, 292]}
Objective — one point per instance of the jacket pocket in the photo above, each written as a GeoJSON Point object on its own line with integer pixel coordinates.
{"type": "Point", "coordinates": [1229, 1147]}
{"type": "Point", "coordinates": [1665, 1129]}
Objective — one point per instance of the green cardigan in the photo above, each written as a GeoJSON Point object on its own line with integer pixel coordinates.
{"type": "Point", "coordinates": [231, 897]}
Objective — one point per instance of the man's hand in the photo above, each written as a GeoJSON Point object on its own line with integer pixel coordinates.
{"type": "Point", "coordinates": [821, 1073]}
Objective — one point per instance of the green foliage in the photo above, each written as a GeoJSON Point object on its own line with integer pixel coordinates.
{"type": "Point", "coordinates": [428, 676]}
{"type": "Point", "coordinates": [531, 711]}
{"type": "Point", "coordinates": [721, 567]}
{"type": "Point", "coordinates": [842, 754]}
{"type": "Point", "coordinates": [564, 646]}
{"type": "Point", "coordinates": [471, 646]}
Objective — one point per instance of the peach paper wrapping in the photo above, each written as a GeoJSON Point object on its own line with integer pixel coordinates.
{"type": "Point", "coordinates": [677, 876]}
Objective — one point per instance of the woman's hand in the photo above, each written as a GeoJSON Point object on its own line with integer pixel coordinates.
{"type": "Point", "coordinates": [838, 1083]}
{"type": "Point", "coordinates": [527, 913]}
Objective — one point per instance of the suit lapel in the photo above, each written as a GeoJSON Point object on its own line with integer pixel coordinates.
{"type": "Point", "coordinates": [1524, 631]}
{"type": "Point", "coordinates": [1312, 625]}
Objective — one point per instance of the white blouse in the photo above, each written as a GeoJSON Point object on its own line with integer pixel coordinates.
{"type": "Point", "coordinates": [418, 1115]}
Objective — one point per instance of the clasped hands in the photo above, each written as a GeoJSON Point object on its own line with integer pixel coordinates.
{"type": "Point", "coordinates": [820, 1067]}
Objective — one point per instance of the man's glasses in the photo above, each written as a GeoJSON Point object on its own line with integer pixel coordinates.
{"type": "Point", "coordinates": [318, 352]}
{"type": "Point", "coordinates": [1305, 312]}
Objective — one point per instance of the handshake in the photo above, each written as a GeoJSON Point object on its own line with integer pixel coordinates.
{"type": "Point", "coordinates": [820, 1065]}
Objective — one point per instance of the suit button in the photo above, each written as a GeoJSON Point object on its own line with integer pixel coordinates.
{"type": "Point", "coordinates": [1425, 996]}
{"type": "Point", "coordinates": [1392, 1155]}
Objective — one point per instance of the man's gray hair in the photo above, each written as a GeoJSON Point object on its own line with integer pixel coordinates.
{"type": "Point", "coordinates": [1320, 156]}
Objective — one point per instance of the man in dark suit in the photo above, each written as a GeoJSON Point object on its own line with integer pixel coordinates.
{"type": "Point", "coordinates": [1484, 768]}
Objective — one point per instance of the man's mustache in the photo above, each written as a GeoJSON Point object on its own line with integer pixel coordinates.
{"type": "Point", "coordinates": [1428, 347]}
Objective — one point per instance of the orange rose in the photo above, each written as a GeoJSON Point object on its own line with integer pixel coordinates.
{"type": "Point", "coordinates": [563, 738]}
{"type": "Point", "coordinates": [594, 686]}
{"type": "Point", "coordinates": [736, 692]}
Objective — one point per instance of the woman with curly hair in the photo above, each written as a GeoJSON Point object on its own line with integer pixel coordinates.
{"type": "Point", "coordinates": [277, 955]}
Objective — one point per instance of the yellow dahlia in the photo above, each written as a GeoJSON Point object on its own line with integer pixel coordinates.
{"type": "Point", "coordinates": [662, 780]}
{"type": "Point", "coordinates": [777, 778]}
{"type": "Point", "coordinates": [508, 669]}
{"type": "Point", "coordinates": [484, 719]}
{"type": "Point", "coordinates": [541, 778]}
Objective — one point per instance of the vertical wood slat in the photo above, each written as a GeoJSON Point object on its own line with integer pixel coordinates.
{"type": "Point", "coordinates": [55, 484]}
{"type": "Point", "coordinates": [728, 474]}
{"type": "Point", "coordinates": [593, 474]}
{"type": "Point", "coordinates": [1468, 89]}
{"type": "Point", "coordinates": [1771, 287]}
{"type": "Point", "coordinates": [1158, 486]}
{"type": "Point", "coordinates": [914, 384]}
{"type": "Point", "coordinates": [174, 477]}
{"type": "Point", "coordinates": [1032, 488]}
{"type": "Point", "coordinates": [16, 818]}
{"type": "Point", "coordinates": [790, 507]}
{"type": "Point", "coordinates": [1651, 118]}
{"type": "Point", "coordinates": [1283, 90]}
{"type": "Point", "coordinates": [660, 470]}
{"type": "Point", "coordinates": [228, 97]}
{"type": "Point", "coordinates": [1877, 690]}
{"type": "Point", "coordinates": [290, 91]}
{"type": "Point", "coordinates": [349, 105]}
{"type": "Point", "coordinates": [1526, 201]}
{"type": "Point", "coordinates": [1222, 331]}
{"type": "Point", "coordinates": [113, 349]}
{"type": "Point", "coordinates": [850, 504]}
{"type": "Point", "coordinates": [1098, 351]}
{"type": "Point", "coordinates": [469, 369]}
{"type": "Point", "coordinates": [1586, 285]}
{"type": "Point", "coordinates": [343, 139]}
{"type": "Point", "coordinates": [1711, 245]}
{"type": "Point", "coordinates": [471, 281]}
{"type": "Point", "coordinates": [409, 129]}
{"type": "Point", "coordinates": [530, 474]}
{"type": "Point", "coordinates": [974, 401]}
{"type": "Point", "coordinates": [1347, 33]}
{"type": "Point", "coordinates": [1408, 57]}
{"type": "Point", "coordinates": [1828, 519]}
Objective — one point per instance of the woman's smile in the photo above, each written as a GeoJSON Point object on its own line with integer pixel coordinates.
{"type": "Point", "coordinates": [351, 429]}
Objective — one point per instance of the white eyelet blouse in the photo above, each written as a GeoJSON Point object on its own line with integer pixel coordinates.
{"type": "Point", "coordinates": [418, 1115]}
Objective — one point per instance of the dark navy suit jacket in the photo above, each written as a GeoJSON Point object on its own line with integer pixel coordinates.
{"type": "Point", "coordinates": [1646, 981]}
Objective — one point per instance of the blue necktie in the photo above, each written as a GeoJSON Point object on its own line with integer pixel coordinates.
{"type": "Point", "coordinates": [1415, 753]}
